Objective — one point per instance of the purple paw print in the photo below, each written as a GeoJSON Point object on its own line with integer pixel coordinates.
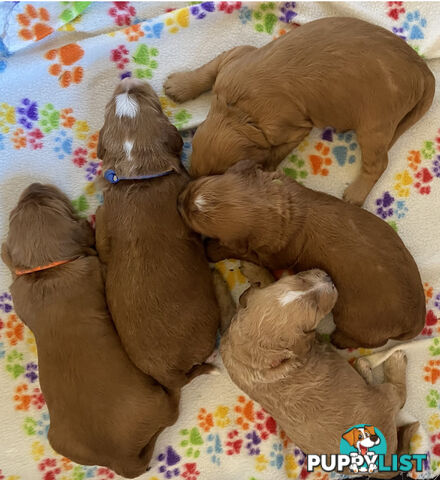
{"type": "Point", "coordinates": [125, 75]}
{"type": "Point", "coordinates": [31, 372]}
{"type": "Point", "coordinates": [199, 11]}
{"type": "Point", "coordinates": [92, 170]}
{"type": "Point", "coordinates": [384, 205]}
{"type": "Point", "coordinates": [170, 458]}
{"type": "Point", "coordinates": [437, 301]}
{"type": "Point", "coordinates": [327, 134]}
{"type": "Point", "coordinates": [28, 112]}
{"type": "Point", "coordinates": [6, 302]}
{"type": "Point", "coordinates": [287, 12]}
{"type": "Point", "coordinates": [400, 32]}
{"type": "Point", "coordinates": [254, 440]}
{"type": "Point", "coordinates": [436, 166]}
{"type": "Point", "coordinates": [299, 456]}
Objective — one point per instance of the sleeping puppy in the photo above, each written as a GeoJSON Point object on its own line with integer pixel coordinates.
{"type": "Point", "coordinates": [269, 219]}
{"type": "Point", "coordinates": [103, 410]}
{"type": "Point", "coordinates": [270, 352]}
{"type": "Point", "coordinates": [158, 282]}
{"type": "Point", "coordinates": [266, 100]}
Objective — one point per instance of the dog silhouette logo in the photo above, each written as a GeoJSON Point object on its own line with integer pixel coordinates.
{"type": "Point", "coordinates": [363, 441]}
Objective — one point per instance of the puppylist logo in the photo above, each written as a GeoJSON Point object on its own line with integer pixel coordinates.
{"type": "Point", "coordinates": [363, 449]}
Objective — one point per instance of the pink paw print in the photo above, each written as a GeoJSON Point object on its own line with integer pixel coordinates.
{"type": "Point", "coordinates": [229, 7]}
{"type": "Point", "coordinates": [80, 157]}
{"type": "Point", "coordinates": [395, 9]}
{"type": "Point", "coordinates": [265, 424]}
{"type": "Point", "coordinates": [120, 56]}
{"type": "Point", "coordinates": [37, 398]}
{"type": "Point", "coordinates": [423, 178]}
{"type": "Point", "coordinates": [104, 473]}
{"type": "Point", "coordinates": [234, 443]}
{"type": "Point", "coordinates": [49, 468]}
{"type": "Point", "coordinates": [435, 440]}
{"type": "Point", "coordinates": [430, 322]}
{"type": "Point", "coordinates": [122, 12]}
{"type": "Point", "coordinates": [34, 138]}
{"type": "Point", "coordinates": [190, 472]}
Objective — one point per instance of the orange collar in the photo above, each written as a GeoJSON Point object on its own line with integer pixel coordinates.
{"type": "Point", "coordinates": [43, 267]}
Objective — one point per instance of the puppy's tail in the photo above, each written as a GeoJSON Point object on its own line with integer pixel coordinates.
{"type": "Point", "coordinates": [404, 436]}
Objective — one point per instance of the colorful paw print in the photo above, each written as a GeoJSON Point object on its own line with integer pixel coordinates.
{"type": "Point", "coordinates": [430, 322]}
{"type": "Point", "coordinates": [287, 12]}
{"type": "Point", "coordinates": [206, 421]}
{"type": "Point", "coordinates": [414, 24]}
{"type": "Point", "coordinates": [233, 443]}
{"type": "Point", "coordinates": [202, 9]}
{"type": "Point", "coordinates": [63, 145]}
{"type": "Point", "coordinates": [2, 141]}
{"type": "Point", "coordinates": [31, 372]}
{"type": "Point", "coordinates": [67, 119]}
{"type": "Point", "coordinates": [433, 399]}
{"type": "Point", "coordinates": [435, 440]}
{"type": "Point", "coordinates": [169, 461]}
{"type": "Point", "coordinates": [297, 170]}
{"type": "Point", "coordinates": [385, 206]}
{"type": "Point", "coordinates": [181, 118]}
{"type": "Point", "coordinates": [80, 204]}
{"type": "Point", "coordinates": [434, 348]}
{"type": "Point", "coordinates": [177, 19]}
{"type": "Point", "coordinates": [49, 468]}
{"type": "Point", "coordinates": [27, 113]}
{"type": "Point", "coordinates": [245, 15]}
{"type": "Point", "coordinates": [252, 442]}
{"type": "Point", "coordinates": [230, 271]}
{"type": "Point", "coordinates": [190, 471]}
{"type": "Point", "coordinates": [144, 57]}
{"type": "Point", "coordinates": [345, 153]}
{"type": "Point", "coordinates": [290, 466]}
{"type": "Point", "coordinates": [34, 139]}
{"type": "Point", "coordinates": [14, 364]}
{"type": "Point", "coordinates": [428, 150]}
{"type": "Point", "coordinates": [395, 10]}
{"type": "Point", "coordinates": [432, 371]}
{"type": "Point", "coordinates": [265, 424]}
{"type": "Point", "coordinates": [120, 56]}
{"type": "Point", "coordinates": [14, 330]}
{"type": "Point", "coordinates": [434, 422]}
{"type": "Point", "coordinates": [49, 118]}
{"type": "Point", "coordinates": [320, 160]}
{"type": "Point", "coordinates": [81, 129]}
{"type": "Point", "coordinates": [245, 412]}
{"type": "Point", "coordinates": [414, 159]}
{"type": "Point", "coordinates": [403, 181]}
{"type": "Point", "coordinates": [214, 448]}
{"type": "Point", "coordinates": [229, 7]}
{"type": "Point", "coordinates": [93, 169]}
{"type": "Point", "coordinates": [7, 117]}
{"type": "Point", "coordinates": [221, 416]}
{"type": "Point", "coordinates": [276, 456]}
{"type": "Point", "coordinates": [122, 13]}
{"type": "Point", "coordinates": [422, 180]}
{"type": "Point", "coordinates": [436, 167]}
{"type": "Point", "coordinates": [73, 11]}
{"type": "Point", "coordinates": [24, 398]}
{"type": "Point", "coordinates": [153, 28]}
{"type": "Point", "coordinates": [30, 426]}
{"type": "Point", "coordinates": [265, 18]}
{"type": "Point", "coordinates": [400, 32]}
{"type": "Point", "coordinates": [133, 33]}
{"type": "Point", "coordinates": [80, 156]}
{"type": "Point", "coordinates": [64, 58]}
{"type": "Point", "coordinates": [192, 441]}
{"type": "Point", "coordinates": [261, 462]}
{"type": "Point", "coordinates": [34, 23]}
{"type": "Point", "coordinates": [92, 144]}
{"type": "Point", "coordinates": [6, 302]}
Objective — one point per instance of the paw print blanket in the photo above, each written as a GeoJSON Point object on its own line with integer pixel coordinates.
{"type": "Point", "coordinates": [59, 63]}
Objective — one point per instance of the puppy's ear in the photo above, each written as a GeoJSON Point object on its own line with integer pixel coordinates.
{"type": "Point", "coordinates": [101, 150]}
{"type": "Point", "coordinates": [87, 233]}
{"type": "Point", "coordinates": [350, 436]}
{"type": "Point", "coordinates": [370, 429]}
{"type": "Point", "coordinates": [245, 167]}
{"type": "Point", "coordinates": [6, 257]}
{"type": "Point", "coordinates": [174, 141]}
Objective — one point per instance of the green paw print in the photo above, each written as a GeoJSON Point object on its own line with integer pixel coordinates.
{"type": "Point", "coordinates": [298, 171]}
{"type": "Point", "coordinates": [265, 18]}
{"type": "Point", "coordinates": [393, 225]}
{"type": "Point", "coordinates": [73, 10]}
{"type": "Point", "coordinates": [30, 426]}
{"type": "Point", "coordinates": [14, 362]}
{"type": "Point", "coordinates": [435, 465]}
{"type": "Point", "coordinates": [50, 118]}
{"type": "Point", "coordinates": [193, 440]}
{"type": "Point", "coordinates": [78, 473]}
{"type": "Point", "coordinates": [143, 56]}
{"type": "Point", "coordinates": [433, 398]}
{"type": "Point", "coordinates": [80, 204]}
{"type": "Point", "coordinates": [181, 118]}
{"type": "Point", "coordinates": [428, 150]}
{"type": "Point", "coordinates": [435, 347]}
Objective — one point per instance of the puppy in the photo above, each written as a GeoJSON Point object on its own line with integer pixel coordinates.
{"type": "Point", "coordinates": [269, 219]}
{"type": "Point", "coordinates": [158, 283]}
{"type": "Point", "coordinates": [103, 410]}
{"type": "Point", "coordinates": [267, 100]}
{"type": "Point", "coordinates": [270, 352]}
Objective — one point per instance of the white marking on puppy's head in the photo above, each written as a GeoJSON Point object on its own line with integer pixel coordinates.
{"type": "Point", "coordinates": [289, 297]}
{"type": "Point", "coordinates": [126, 105]}
{"type": "Point", "coordinates": [128, 146]}
{"type": "Point", "coordinates": [200, 202]}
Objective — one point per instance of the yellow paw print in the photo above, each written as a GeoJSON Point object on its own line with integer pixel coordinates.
{"type": "Point", "coordinates": [37, 451]}
{"type": "Point", "coordinates": [291, 466]}
{"type": "Point", "coordinates": [90, 188]}
{"type": "Point", "coordinates": [416, 443]}
{"type": "Point", "coordinates": [167, 105]}
{"type": "Point", "coordinates": [177, 20]}
{"type": "Point", "coordinates": [230, 271]}
{"type": "Point", "coordinates": [365, 351]}
{"type": "Point", "coordinates": [303, 145]}
{"type": "Point", "coordinates": [30, 341]}
{"type": "Point", "coordinates": [434, 422]}
{"type": "Point", "coordinates": [7, 117]}
{"type": "Point", "coordinates": [261, 462]}
{"type": "Point", "coordinates": [81, 129]}
{"type": "Point", "coordinates": [403, 181]}
{"type": "Point", "coordinates": [221, 416]}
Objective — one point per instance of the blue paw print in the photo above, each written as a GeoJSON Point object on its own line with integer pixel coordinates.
{"type": "Point", "coordinates": [63, 145]}
{"type": "Point", "coordinates": [287, 12]}
{"type": "Point", "coordinates": [277, 458]}
{"type": "Point", "coordinates": [4, 53]}
{"type": "Point", "coordinates": [414, 24]}
{"type": "Point", "coordinates": [2, 141]}
{"type": "Point", "coordinates": [215, 448]}
{"type": "Point", "coordinates": [5, 298]}
{"type": "Point", "coordinates": [343, 153]}
{"type": "Point", "coordinates": [28, 113]}
{"type": "Point", "coordinates": [245, 15]}
{"type": "Point", "coordinates": [43, 425]}
{"type": "Point", "coordinates": [153, 30]}
{"type": "Point", "coordinates": [199, 11]}
{"type": "Point", "coordinates": [401, 209]}
{"type": "Point", "coordinates": [2, 350]}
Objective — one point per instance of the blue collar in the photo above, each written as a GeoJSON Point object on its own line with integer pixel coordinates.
{"type": "Point", "coordinates": [110, 176]}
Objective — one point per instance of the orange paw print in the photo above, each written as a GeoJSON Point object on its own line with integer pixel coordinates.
{"type": "Point", "coordinates": [22, 398]}
{"type": "Point", "coordinates": [432, 371]}
{"type": "Point", "coordinates": [206, 421]}
{"type": "Point", "coordinates": [65, 57]}
{"type": "Point", "coordinates": [320, 160]}
{"type": "Point", "coordinates": [19, 139]}
{"type": "Point", "coordinates": [285, 439]}
{"type": "Point", "coordinates": [133, 33]}
{"type": "Point", "coordinates": [14, 330]}
{"type": "Point", "coordinates": [92, 145]}
{"type": "Point", "coordinates": [67, 119]}
{"type": "Point", "coordinates": [245, 411]}
{"type": "Point", "coordinates": [34, 23]}
{"type": "Point", "coordinates": [428, 291]}
{"type": "Point", "coordinates": [414, 159]}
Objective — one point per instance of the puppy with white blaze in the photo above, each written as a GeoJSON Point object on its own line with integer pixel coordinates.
{"type": "Point", "coordinates": [271, 353]}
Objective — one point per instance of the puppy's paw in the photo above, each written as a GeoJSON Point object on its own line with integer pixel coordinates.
{"type": "Point", "coordinates": [178, 87]}
{"type": "Point", "coordinates": [395, 364]}
{"type": "Point", "coordinates": [363, 367]}
{"type": "Point", "coordinates": [357, 192]}
{"type": "Point", "coordinates": [354, 468]}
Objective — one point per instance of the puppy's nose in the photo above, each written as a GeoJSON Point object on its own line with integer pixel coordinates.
{"type": "Point", "coordinates": [374, 438]}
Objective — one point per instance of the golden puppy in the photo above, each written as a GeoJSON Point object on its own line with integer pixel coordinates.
{"type": "Point", "coordinates": [158, 283]}
{"type": "Point", "coordinates": [339, 72]}
{"type": "Point", "coordinates": [269, 219]}
{"type": "Point", "coordinates": [270, 352]}
{"type": "Point", "coordinates": [103, 410]}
